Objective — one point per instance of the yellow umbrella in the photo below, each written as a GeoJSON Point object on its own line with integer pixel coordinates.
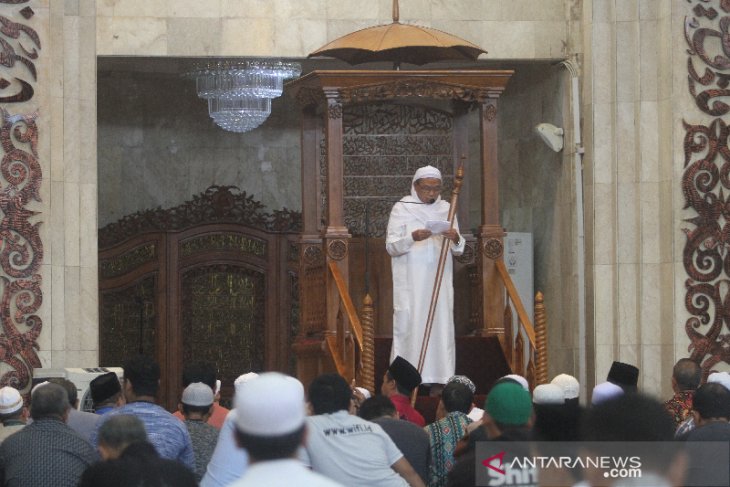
{"type": "Point", "coordinates": [397, 43]}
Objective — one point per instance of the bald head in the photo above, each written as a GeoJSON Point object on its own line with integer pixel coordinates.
{"type": "Point", "coordinates": [687, 374]}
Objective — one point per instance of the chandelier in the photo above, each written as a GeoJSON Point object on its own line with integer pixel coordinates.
{"type": "Point", "coordinates": [239, 93]}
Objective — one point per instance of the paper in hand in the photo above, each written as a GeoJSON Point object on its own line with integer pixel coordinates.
{"type": "Point", "coordinates": [438, 227]}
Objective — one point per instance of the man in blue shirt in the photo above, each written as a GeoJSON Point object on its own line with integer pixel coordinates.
{"type": "Point", "coordinates": [168, 434]}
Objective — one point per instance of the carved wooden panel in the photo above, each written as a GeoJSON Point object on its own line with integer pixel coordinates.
{"type": "Point", "coordinates": [129, 324]}
{"type": "Point", "coordinates": [383, 145]}
{"type": "Point", "coordinates": [223, 318]}
{"type": "Point", "coordinates": [224, 287]}
{"type": "Point", "coordinates": [21, 248]}
{"type": "Point", "coordinates": [706, 184]}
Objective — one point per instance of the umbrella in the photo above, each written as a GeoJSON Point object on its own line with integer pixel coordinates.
{"type": "Point", "coordinates": [396, 42]}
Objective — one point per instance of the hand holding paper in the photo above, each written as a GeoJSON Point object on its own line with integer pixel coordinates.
{"type": "Point", "coordinates": [438, 227]}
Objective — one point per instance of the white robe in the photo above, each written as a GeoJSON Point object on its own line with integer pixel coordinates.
{"type": "Point", "coordinates": [414, 271]}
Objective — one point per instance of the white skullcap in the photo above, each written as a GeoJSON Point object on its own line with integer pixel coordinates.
{"type": "Point", "coordinates": [198, 394]}
{"type": "Point", "coordinates": [605, 391]}
{"type": "Point", "coordinates": [10, 400]}
{"type": "Point", "coordinates": [272, 405]}
{"type": "Point", "coordinates": [722, 378]}
{"type": "Point", "coordinates": [462, 379]}
{"type": "Point", "coordinates": [548, 394]}
{"type": "Point", "coordinates": [366, 394]}
{"type": "Point", "coordinates": [519, 379]}
{"type": "Point", "coordinates": [243, 379]}
{"type": "Point", "coordinates": [427, 172]}
{"type": "Point", "coordinates": [569, 385]}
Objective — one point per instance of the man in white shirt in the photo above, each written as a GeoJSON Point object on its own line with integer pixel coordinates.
{"type": "Point", "coordinates": [347, 448]}
{"type": "Point", "coordinates": [270, 425]}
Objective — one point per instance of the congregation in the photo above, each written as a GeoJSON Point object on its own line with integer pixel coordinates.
{"type": "Point", "coordinates": [338, 434]}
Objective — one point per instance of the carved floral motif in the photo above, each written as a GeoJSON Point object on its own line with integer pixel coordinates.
{"type": "Point", "coordinates": [706, 186]}
{"type": "Point", "coordinates": [21, 249]}
{"type": "Point", "coordinates": [218, 204]}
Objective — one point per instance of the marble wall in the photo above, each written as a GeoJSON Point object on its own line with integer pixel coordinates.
{"type": "Point", "coordinates": [631, 211]}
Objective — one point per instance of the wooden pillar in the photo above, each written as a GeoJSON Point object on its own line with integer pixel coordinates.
{"type": "Point", "coordinates": [336, 236]}
{"type": "Point", "coordinates": [491, 233]}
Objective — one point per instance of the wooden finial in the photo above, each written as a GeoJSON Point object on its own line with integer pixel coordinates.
{"type": "Point", "coordinates": [396, 13]}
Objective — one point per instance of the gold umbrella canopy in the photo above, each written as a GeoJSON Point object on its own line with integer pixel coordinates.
{"type": "Point", "coordinates": [399, 43]}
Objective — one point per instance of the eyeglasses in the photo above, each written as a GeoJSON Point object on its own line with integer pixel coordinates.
{"type": "Point", "coordinates": [430, 189]}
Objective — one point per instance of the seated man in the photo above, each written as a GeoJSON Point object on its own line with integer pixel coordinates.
{"type": "Point", "coordinates": [206, 373]}
{"type": "Point", "coordinates": [106, 392]}
{"type": "Point", "coordinates": [131, 460]}
{"type": "Point", "coordinates": [686, 376]}
{"type": "Point", "coordinates": [444, 434]}
{"type": "Point", "coordinates": [398, 383]}
{"type": "Point", "coordinates": [228, 462]}
{"type": "Point", "coordinates": [47, 451]}
{"type": "Point", "coordinates": [168, 434]}
{"type": "Point", "coordinates": [80, 421]}
{"type": "Point", "coordinates": [13, 413]}
{"type": "Point", "coordinates": [347, 448]}
{"type": "Point", "coordinates": [196, 406]}
{"type": "Point", "coordinates": [410, 439]}
{"type": "Point", "coordinates": [270, 425]}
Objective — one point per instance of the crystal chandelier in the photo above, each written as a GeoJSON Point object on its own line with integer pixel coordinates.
{"type": "Point", "coordinates": [239, 93]}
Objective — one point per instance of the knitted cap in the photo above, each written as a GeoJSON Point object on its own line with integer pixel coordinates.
{"type": "Point", "coordinates": [722, 378]}
{"type": "Point", "coordinates": [462, 379]}
{"type": "Point", "coordinates": [569, 384]}
{"type": "Point", "coordinates": [10, 400]}
{"type": "Point", "coordinates": [548, 394]}
{"type": "Point", "coordinates": [271, 405]}
{"type": "Point", "coordinates": [605, 391]}
{"type": "Point", "coordinates": [244, 379]}
{"type": "Point", "coordinates": [198, 394]}
{"type": "Point", "coordinates": [509, 403]}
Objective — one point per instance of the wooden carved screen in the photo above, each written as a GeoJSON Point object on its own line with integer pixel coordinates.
{"type": "Point", "coordinates": [212, 280]}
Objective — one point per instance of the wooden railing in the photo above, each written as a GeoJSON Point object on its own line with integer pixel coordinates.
{"type": "Point", "coordinates": [353, 348]}
{"type": "Point", "coordinates": [535, 370]}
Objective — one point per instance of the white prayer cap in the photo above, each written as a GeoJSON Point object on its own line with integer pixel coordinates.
{"type": "Point", "coordinates": [569, 385]}
{"type": "Point", "coordinates": [548, 394]}
{"type": "Point", "coordinates": [462, 379]}
{"type": "Point", "coordinates": [365, 393]}
{"type": "Point", "coordinates": [198, 394]}
{"type": "Point", "coordinates": [271, 405]}
{"type": "Point", "coordinates": [427, 172]}
{"type": "Point", "coordinates": [10, 400]}
{"type": "Point", "coordinates": [243, 379]}
{"type": "Point", "coordinates": [605, 391]}
{"type": "Point", "coordinates": [519, 379]}
{"type": "Point", "coordinates": [722, 378]}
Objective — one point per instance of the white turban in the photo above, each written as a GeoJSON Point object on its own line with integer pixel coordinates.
{"type": "Point", "coordinates": [427, 172]}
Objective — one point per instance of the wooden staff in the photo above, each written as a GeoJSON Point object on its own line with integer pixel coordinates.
{"type": "Point", "coordinates": [458, 179]}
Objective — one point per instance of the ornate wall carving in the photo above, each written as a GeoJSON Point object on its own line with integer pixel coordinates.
{"type": "Point", "coordinates": [383, 145]}
{"type": "Point", "coordinates": [706, 185]}
{"type": "Point", "coordinates": [21, 248]}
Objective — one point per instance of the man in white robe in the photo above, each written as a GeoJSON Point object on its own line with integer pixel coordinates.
{"type": "Point", "coordinates": [415, 254]}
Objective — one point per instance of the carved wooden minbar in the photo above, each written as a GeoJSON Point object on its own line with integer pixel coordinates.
{"type": "Point", "coordinates": [358, 156]}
